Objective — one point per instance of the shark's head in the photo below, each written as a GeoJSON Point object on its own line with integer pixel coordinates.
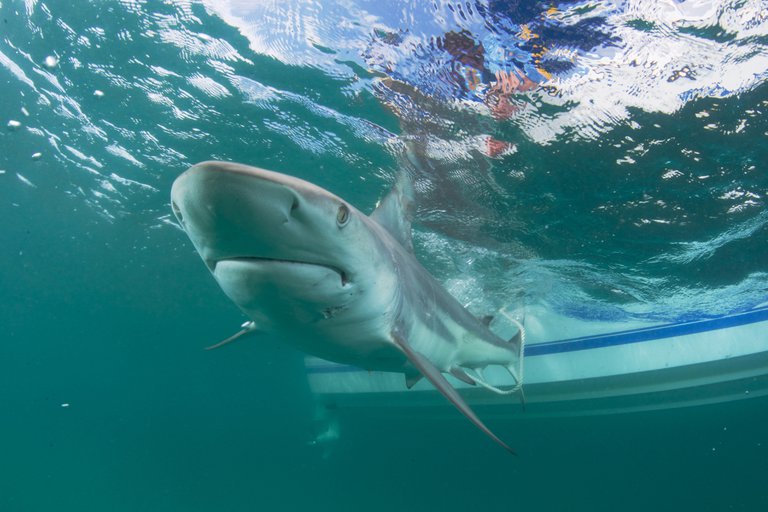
{"type": "Point", "coordinates": [287, 252]}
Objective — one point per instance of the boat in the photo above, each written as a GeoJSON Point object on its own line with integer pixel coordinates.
{"type": "Point", "coordinates": [583, 367]}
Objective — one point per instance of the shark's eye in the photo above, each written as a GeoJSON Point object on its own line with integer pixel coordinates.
{"type": "Point", "coordinates": [342, 216]}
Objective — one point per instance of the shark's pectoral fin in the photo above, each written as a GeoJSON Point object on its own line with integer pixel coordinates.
{"type": "Point", "coordinates": [443, 386]}
{"type": "Point", "coordinates": [247, 327]}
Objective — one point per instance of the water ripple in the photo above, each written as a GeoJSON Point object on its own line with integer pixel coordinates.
{"type": "Point", "coordinates": [608, 154]}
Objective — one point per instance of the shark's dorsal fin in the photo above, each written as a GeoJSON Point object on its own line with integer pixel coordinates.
{"type": "Point", "coordinates": [395, 211]}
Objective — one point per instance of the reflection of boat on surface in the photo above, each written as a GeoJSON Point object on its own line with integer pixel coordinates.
{"type": "Point", "coordinates": [605, 368]}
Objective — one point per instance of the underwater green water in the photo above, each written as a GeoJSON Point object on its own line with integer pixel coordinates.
{"type": "Point", "coordinates": [108, 400]}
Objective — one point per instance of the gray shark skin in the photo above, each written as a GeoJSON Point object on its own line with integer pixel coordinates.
{"type": "Point", "coordinates": [337, 283]}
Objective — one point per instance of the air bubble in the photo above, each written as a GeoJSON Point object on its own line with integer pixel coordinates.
{"type": "Point", "coordinates": [13, 124]}
{"type": "Point", "coordinates": [51, 62]}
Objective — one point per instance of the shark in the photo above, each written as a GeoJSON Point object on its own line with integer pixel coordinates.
{"type": "Point", "coordinates": [337, 283]}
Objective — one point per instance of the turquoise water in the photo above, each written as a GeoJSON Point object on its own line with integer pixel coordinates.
{"type": "Point", "coordinates": [638, 209]}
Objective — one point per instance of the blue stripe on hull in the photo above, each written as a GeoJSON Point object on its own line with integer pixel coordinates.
{"type": "Point", "coordinates": [647, 333]}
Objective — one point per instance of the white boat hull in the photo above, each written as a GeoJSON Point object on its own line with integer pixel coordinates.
{"type": "Point", "coordinates": [619, 367]}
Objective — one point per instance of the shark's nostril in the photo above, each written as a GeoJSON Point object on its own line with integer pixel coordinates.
{"type": "Point", "coordinates": [294, 205]}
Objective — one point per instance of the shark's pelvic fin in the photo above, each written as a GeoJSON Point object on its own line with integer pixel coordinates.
{"type": "Point", "coordinates": [247, 327]}
{"type": "Point", "coordinates": [411, 379]}
{"type": "Point", "coordinates": [395, 211]}
{"type": "Point", "coordinates": [436, 378]}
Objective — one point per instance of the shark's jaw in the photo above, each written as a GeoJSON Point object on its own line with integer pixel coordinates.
{"type": "Point", "coordinates": [256, 262]}
{"type": "Point", "coordinates": [284, 295]}
{"type": "Point", "coordinates": [280, 291]}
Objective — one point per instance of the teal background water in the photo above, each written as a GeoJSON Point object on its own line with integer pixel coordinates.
{"type": "Point", "coordinates": [106, 306]}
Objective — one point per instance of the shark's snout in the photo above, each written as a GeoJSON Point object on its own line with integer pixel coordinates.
{"type": "Point", "coordinates": [228, 213]}
{"type": "Point", "coordinates": [265, 235]}
{"type": "Point", "coordinates": [236, 212]}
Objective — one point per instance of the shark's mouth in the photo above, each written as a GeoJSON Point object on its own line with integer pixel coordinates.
{"type": "Point", "coordinates": [254, 259]}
